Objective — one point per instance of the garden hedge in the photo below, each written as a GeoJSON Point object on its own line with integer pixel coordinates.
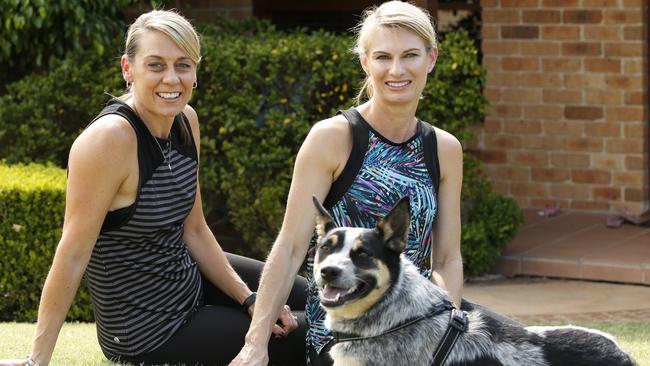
{"type": "Point", "coordinates": [32, 200]}
{"type": "Point", "coordinates": [41, 115]}
{"type": "Point", "coordinates": [489, 220]}
{"type": "Point", "coordinates": [260, 91]}
{"type": "Point", "coordinates": [34, 33]}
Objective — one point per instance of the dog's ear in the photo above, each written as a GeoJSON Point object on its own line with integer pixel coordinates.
{"type": "Point", "coordinates": [395, 226]}
{"type": "Point", "coordinates": [324, 222]}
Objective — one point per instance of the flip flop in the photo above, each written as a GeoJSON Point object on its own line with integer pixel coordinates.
{"type": "Point", "coordinates": [628, 216]}
{"type": "Point", "coordinates": [549, 211]}
{"type": "Point", "coordinates": [621, 216]}
{"type": "Point", "coordinates": [615, 221]}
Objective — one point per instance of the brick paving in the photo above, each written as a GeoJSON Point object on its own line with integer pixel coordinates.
{"type": "Point", "coordinates": [535, 300]}
{"type": "Point", "coordinates": [579, 246]}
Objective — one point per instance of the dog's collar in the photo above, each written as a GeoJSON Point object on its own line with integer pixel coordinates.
{"type": "Point", "coordinates": [437, 309]}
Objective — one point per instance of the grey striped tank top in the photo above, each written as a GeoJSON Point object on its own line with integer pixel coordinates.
{"type": "Point", "coordinates": [143, 282]}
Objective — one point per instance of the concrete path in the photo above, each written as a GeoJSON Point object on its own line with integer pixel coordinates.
{"type": "Point", "coordinates": [534, 299]}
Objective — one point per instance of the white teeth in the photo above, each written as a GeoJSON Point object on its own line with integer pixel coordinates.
{"type": "Point", "coordinates": [338, 297]}
{"type": "Point", "coordinates": [400, 84]}
{"type": "Point", "coordinates": [352, 290]}
{"type": "Point", "coordinates": [169, 95]}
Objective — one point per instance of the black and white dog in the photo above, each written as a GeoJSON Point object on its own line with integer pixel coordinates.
{"type": "Point", "coordinates": [384, 312]}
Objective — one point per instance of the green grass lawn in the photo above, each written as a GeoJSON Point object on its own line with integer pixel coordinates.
{"type": "Point", "coordinates": [77, 345]}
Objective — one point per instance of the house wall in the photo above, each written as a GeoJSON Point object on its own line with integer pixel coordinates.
{"type": "Point", "coordinates": [568, 85]}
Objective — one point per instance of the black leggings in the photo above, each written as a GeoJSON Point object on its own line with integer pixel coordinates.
{"type": "Point", "coordinates": [215, 332]}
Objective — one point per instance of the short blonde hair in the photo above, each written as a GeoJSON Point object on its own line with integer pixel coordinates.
{"type": "Point", "coordinates": [168, 22]}
{"type": "Point", "coordinates": [391, 14]}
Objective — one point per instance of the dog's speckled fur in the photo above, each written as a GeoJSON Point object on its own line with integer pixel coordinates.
{"type": "Point", "coordinates": [348, 256]}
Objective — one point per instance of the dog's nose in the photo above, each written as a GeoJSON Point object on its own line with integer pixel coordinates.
{"type": "Point", "coordinates": [329, 273]}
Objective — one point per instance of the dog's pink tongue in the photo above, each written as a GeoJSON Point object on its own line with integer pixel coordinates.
{"type": "Point", "coordinates": [330, 292]}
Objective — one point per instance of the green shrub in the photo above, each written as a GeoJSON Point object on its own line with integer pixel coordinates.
{"type": "Point", "coordinates": [36, 32]}
{"type": "Point", "coordinates": [256, 114]}
{"type": "Point", "coordinates": [32, 200]}
{"type": "Point", "coordinates": [259, 93]}
{"type": "Point", "coordinates": [243, 27]}
{"type": "Point", "coordinates": [490, 221]}
{"type": "Point", "coordinates": [41, 115]}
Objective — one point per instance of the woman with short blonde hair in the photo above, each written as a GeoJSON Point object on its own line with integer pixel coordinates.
{"type": "Point", "coordinates": [163, 290]}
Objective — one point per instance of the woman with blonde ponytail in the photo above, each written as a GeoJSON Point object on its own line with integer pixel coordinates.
{"type": "Point", "coordinates": [360, 163]}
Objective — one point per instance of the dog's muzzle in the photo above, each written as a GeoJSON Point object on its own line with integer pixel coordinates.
{"type": "Point", "coordinates": [336, 289]}
{"type": "Point", "coordinates": [330, 274]}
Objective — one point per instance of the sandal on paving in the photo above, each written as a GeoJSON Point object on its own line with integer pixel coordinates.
{"type": "Point", "coordinates": [549, 211]}
{"type": "Point", "coordinates": [614, 221]}
{"type": "Point", "coordinates": [620, 217]}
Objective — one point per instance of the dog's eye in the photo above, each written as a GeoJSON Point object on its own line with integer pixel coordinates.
{"type": "Point", "coordinates": [362, 252]}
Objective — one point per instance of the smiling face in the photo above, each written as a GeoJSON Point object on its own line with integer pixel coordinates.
{"type": "Point", "coordinates": [397, 62]}
{"type": "Point", "coordinates": [161, 75]}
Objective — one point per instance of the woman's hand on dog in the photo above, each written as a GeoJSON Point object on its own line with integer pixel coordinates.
{"type": "Point", "coordinates": [287, 322]}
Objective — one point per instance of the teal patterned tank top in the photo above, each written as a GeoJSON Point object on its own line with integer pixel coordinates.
{"type": "Point", "coordinates": [373, 181]}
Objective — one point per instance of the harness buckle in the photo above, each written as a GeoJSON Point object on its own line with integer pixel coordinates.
{"type": "Point", "coordinates": [459, 320]}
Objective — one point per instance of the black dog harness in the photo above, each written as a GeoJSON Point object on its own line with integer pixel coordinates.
{"type": "Point", "coordinates": [457, 324]}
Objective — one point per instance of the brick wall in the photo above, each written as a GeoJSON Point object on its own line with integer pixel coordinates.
{"type": "Point", "coordinates": [568, 86]}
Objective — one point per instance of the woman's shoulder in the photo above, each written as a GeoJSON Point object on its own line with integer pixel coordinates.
{"type": "Point", "coordinates": [113, 125]}
{"type": "Point", "coordinates": [103, 155]}
{"type": "Point", "coordinates": [334, 127]}
{"type": "Point", "coordinates": [327, 146]}
{"type": "Point", "coordinates": [111, 133]}
{"type": "Point", "coordinates": [447, 142]}
{"type": "Point", "coordinates": [192, 117]}
{"type": "Point", "coordinates": [329, 139]}
{"type": "Point", "coordinates": [190, 113]}
{"type": "Point", "coordinates": [451, 149]}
